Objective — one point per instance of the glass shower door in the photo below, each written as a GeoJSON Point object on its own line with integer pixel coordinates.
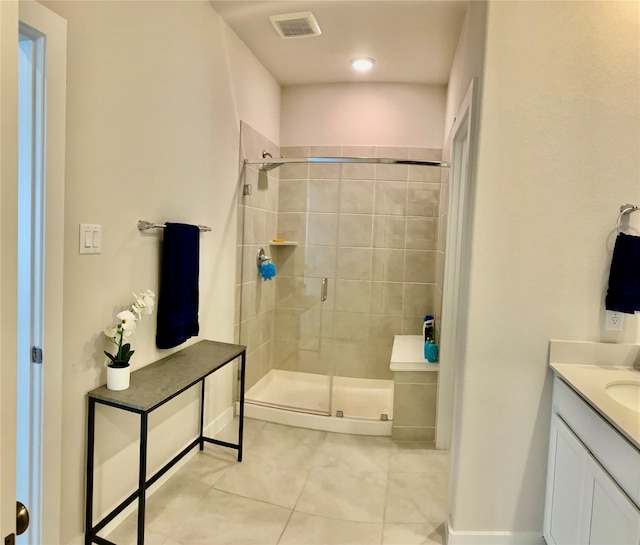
{"type": "Point", "coordinates": [303, 333]}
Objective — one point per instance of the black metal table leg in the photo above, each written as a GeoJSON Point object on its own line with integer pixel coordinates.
{"type": "Point", "coordinates": [241, 416]}
{"type": "Point", "coordinates": [202, 416]}
{"type": "Point", "coordinates": [142, 477]}
{"type": "Point", "coordinates": [91, 421]}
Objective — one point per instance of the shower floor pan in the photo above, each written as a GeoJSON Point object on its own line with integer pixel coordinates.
{"type": "Point", "coordinates": [302, 399]}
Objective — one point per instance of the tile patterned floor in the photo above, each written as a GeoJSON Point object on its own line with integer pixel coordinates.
{"type": "Point", "coordinates": [300, 487]}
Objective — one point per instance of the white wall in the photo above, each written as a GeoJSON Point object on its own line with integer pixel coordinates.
{"type": "Point", "coordinates": [467, 61]}
{"type": "Point", "coordinates": [558, 154]}
{"type": "Point", "coordinates": [363, 114]}
{"type": "Point", "coordinates": [155, 94]}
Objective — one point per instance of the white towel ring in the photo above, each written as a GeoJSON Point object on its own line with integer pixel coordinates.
{"type": "Point", "coordinates": [624, 210]}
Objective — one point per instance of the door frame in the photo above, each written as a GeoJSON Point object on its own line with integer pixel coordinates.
{"type": "Point", "coordinates": [54, 27]}
{"type": "Point", "coordinates": [9, 252]}
{"type": "Point", "coordinates": [456, 271]}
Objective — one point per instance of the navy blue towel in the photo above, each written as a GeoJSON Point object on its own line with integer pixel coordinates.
{"type": "Point", "coordinates": [623, 294]}
{"type": "Point", "coordinates": [178, 298]}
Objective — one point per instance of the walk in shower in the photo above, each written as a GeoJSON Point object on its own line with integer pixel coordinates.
{"type": "Point", "coordinates": [353, 235]}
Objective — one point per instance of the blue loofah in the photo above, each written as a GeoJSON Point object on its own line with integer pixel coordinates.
{"type": "Point", "coordinates": [267, 271]}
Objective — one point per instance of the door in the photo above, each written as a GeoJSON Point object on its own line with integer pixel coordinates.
{"type": "Point", "coordinates": [40, 193]}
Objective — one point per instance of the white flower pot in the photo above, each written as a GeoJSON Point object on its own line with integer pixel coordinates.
{"type": "Point", "coordinates": [118, 377]}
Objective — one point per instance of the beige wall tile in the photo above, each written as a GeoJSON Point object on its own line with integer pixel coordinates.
{"type": "Point", "coordinates": [420, 266]}
{"type": "Point", "coordinates": [418, 299]}
{"type": "Point", "coordinates": [392, 172]}
{"type": "Point", "coordinates": [351, 359]}
{"type": "Point", "coordinates": [416, 377]}
{"type": "Point", "coordinates": [406, 433]}
{"type": "Point", "coordinates": [250, 333]}
{"type": "Point", "coordinates": [442, 233]}
{"type": "Point", "coordinates": [355, 230]}
{"type": "Point", "coordinates": [288, 324]}
{"type": "Point", "coordinates": [248, 300]}
{"type": "Point", "coordinates": [289, 260]}
{"type": "Point", "coordinates": [353, 295]}
{"type": "Point", "coordinates": [292, 226]}
{"type": "Point", "coordinates": [356, 197]}
{"type": "Point", "coordinates": [387, 298]}
{"type": "Point", "coordinates": [425, 154]}
{"type": "Point", "coordinates": [320, 261]}
{"type": "Point", "coordinates": [293, 196]}
{"type": "Point", "coordinates": [354, 263]}
{"type": "Point", "coordinates": [389, 231]}
{"type": "Point", "coordinates": [254, 228]}
{"type": "Point", "coordinates": [270, 226]}
{"type": "Point", "coordinates": [423, 199]}
{"type": "Point", "coordinates": [379, 359]}
{"type": "Point", "coordinates": [383, 327]}
{"type": "Point", "coordinates": [414, 404]}
{"type": "Point", "coordinates": [294, 171]}
{"type": "Point", "coordinates": [285, 354]}
{"type": "Point", "coordinates": [323, 171]}
{"type": "Point", "coordinates": [295, 151]}
{"type": "Point", "coordinates": [267, 325]}
{"type": "Point", "coordinates": [392, 152]}
{"type": "Point", "coordinates": [391, 198]}
{"type": "Point", "coordinates": [388, 265]}
{"type": "Point", "coordinates": [326, 151]}
{"type": "Point", "coordinates": [358, 171]}
{"type": "Point", "coordinates": [422, 233]}
{"type": "Point", "coordinates": [412, 324]}
{"type": "Point", "coordinates": [439, 270]}
{"type": "Point", "coordinates": [323, 195]}
{"type": "Point", "coordinates": [322, 229]}
{"type": "Point", "coordinates": [359, 151]}
{"type": "Point", "coordinates": [350, 326]}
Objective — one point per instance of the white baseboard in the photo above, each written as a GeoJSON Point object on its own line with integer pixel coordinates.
{"type": "Point", "coordinates": [492, 538]}
{"type": "Point", "coordinates": [216, 426]}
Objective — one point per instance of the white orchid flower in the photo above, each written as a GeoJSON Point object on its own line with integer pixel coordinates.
{"type": "Point", "coordinates": [142, 304]}
{"type": "Point", "coordinates": [111, 332]}
{"type": "Point", "coordinates": [127, 319]}
{"type": "Point", "coordinates": [149, 304]}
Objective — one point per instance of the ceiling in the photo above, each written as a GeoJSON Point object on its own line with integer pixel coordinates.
{"type": "Point", "coordinates": [411, 41]}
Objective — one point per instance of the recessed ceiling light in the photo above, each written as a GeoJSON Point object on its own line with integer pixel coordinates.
{"type": "Point", "coordinates": [362, 64]}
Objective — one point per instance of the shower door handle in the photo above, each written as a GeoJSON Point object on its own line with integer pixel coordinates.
{"type": "Point", "coordinates": [323, 289]}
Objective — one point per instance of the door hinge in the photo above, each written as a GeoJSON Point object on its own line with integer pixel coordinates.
{"type": "Point", "coordinates": [246, 190]}
{"type": "Point", "coordinates": [238, 374]}
{"type": "Point", "coordinates": [36, 354]}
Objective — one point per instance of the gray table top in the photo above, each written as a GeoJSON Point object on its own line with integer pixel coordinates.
{"type": "Point", "coordinates": [158, 382]}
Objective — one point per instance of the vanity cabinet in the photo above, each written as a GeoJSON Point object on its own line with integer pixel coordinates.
{"type": "Point", "coordinates": [584, 505]}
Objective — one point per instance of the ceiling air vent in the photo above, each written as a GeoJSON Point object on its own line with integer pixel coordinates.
{"type": "Point", "coordinates": [296, 25]}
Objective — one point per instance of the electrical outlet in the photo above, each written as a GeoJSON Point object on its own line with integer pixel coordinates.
{"type": "Point", "coordinates": [613, 320]}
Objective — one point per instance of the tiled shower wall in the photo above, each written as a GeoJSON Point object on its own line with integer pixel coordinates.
{"type": "Point", "coordinates": [257, 221]}
{"type": "Point", "coordinates": [372, 230]}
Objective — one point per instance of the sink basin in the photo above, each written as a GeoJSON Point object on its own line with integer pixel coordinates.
{"type": "Point", "coordinates": [625, 392]}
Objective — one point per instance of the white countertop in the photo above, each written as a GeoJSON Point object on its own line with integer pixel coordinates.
{"type": "Point", "coordinates": [588, 367]}
{"type": "Point", "coordinates": [408, 354]}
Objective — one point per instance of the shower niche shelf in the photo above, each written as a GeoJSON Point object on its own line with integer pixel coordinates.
{"type": "Point", "coordinates": [283, 243]}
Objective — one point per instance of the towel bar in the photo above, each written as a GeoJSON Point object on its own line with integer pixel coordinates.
{"type": "Point", "coordinates": [145, 225]}
{"type": "Point", "coordinates": [625, 209]}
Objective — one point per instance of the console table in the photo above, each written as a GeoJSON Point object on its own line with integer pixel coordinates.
{"type": "Point", "coordinates": [151, 387]}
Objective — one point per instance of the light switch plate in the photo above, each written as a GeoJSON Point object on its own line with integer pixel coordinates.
{"type": "Point", "coordinates": [90, 240]}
